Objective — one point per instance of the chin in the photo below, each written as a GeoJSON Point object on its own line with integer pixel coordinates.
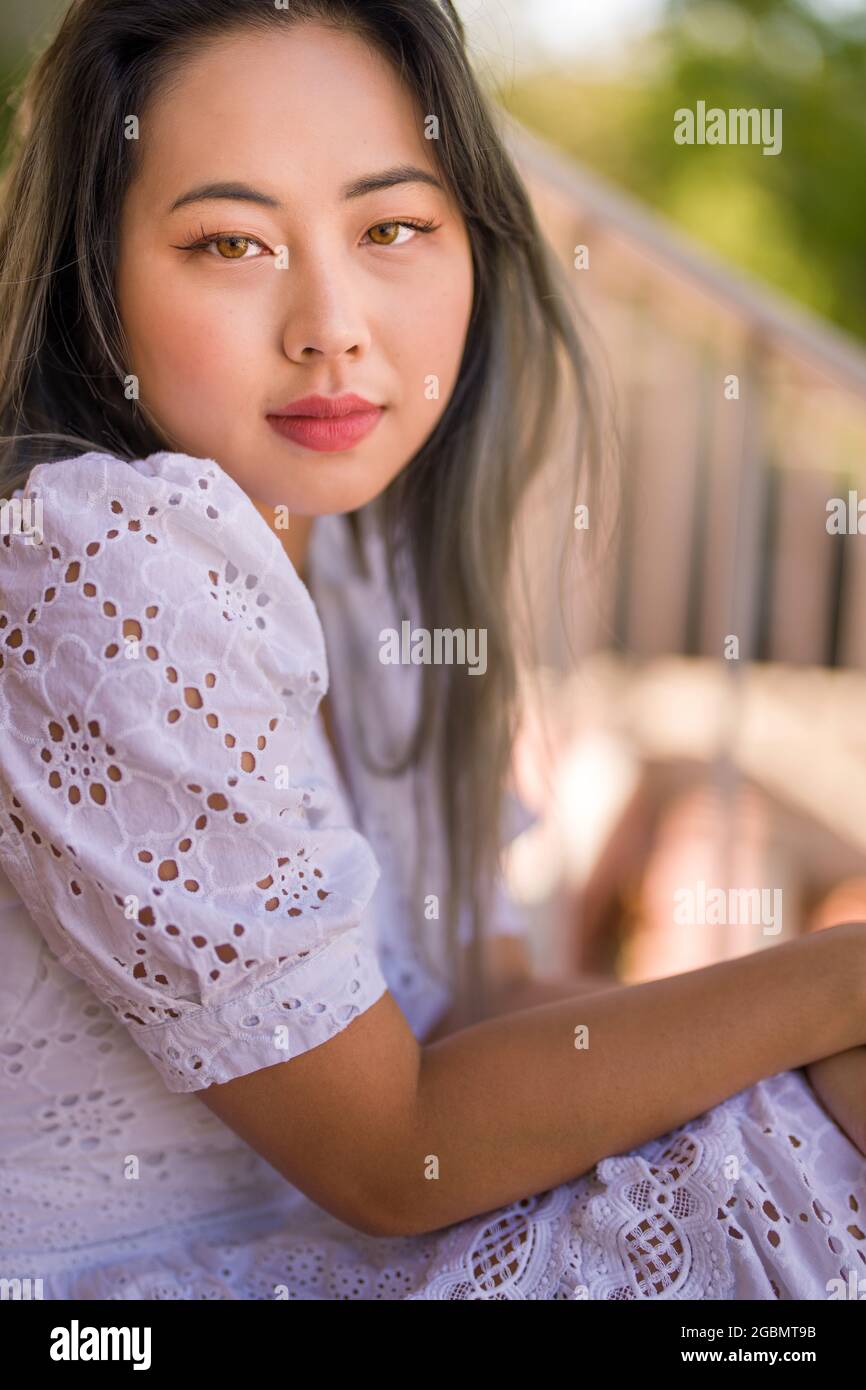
{"type": "Point", "coordinates": [333, 483]}
{"type": "Point", "coordinates": [340, 498]}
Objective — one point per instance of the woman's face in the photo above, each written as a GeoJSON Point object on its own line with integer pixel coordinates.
{"type": "Point", "coordinates": [317, 291]}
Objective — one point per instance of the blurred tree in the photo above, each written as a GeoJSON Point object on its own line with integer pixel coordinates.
{"type": "Point", "coordinates": [796, 218]}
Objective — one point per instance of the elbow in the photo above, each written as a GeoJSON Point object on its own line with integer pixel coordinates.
{"type": "Point", "coordinates": [373, 1184]}
{"type": "Point", "coordinates": [372, 1222]}
{"type": "Point", "coordinates": [393, 1209]}
{"type": "Point", "coordinates": [383, 1211]}
{"type": "Point", "coordinates": [371, 1215]}
{"type": "Point", "coordinates": [388, 1224]}
{"type": "Point", "coordinates": [372, 1206]}
{"type": "Point", "coordinates": [389, 1204]}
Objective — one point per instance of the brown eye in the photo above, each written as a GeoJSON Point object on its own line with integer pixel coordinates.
{"type": "Point", "coordinates": [411, 230]}
{"type": "Point", "coordinates": [237, 246]}
{"type": "Point", "coordinates": [387, 227]}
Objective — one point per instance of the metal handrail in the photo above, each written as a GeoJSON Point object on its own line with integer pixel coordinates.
{"type": "Point", "coordinates": [824, 348]}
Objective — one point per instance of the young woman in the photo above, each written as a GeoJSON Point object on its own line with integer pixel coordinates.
{"type": "Point", "coordinates": [281, 350]}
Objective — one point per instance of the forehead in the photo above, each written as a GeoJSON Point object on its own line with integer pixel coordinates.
{"type": "Point", "coordinates": [298, 110]}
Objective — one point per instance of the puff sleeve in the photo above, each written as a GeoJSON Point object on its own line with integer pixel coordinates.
{"type": "Point", "coordinates": [164, 813]}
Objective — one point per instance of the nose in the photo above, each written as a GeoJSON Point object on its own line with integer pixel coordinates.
{"type": "Point", "coordinates": [325, 315]}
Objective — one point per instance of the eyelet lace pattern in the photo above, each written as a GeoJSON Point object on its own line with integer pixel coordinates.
{"type": "Point", "coordinates": [205, 907]}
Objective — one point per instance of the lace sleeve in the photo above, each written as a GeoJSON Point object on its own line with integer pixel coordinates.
{"type": "Point", "coordinates": [163, 813]}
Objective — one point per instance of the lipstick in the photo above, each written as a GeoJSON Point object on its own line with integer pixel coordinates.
{"type": "Point", "coordinates": [327, 424]}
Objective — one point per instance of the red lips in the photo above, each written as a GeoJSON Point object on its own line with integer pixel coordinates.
{"type": "Point", "coordinates": [327, 407]}
{"type": "Point", "coordinates": [326, 424]}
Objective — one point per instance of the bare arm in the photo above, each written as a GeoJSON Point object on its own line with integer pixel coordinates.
{"type": "Point", "coordinates": [840, 1083]}
{"type": "Point", "coordinates": [525, 992]}
{"type": "Point", "coordinates": [510, 1107]}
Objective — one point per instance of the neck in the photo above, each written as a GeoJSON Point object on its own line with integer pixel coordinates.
{"type": "Point", "coordinates": [294, 538]}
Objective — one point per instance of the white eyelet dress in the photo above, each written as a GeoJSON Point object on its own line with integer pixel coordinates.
{"type": "Point", "coordinates": [189, 891]}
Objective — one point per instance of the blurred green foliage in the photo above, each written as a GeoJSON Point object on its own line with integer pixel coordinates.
{"type": "Point", "coordinates": [796, 219]}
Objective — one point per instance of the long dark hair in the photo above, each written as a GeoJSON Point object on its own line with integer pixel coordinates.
{"type": "Point", "coordinates": [63, 355]}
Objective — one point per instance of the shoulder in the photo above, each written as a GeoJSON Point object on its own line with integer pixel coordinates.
{"type": "Point", "coordinates": [96, 507]}
{"type": "Point", "coordinates": [167, 810]}
{"type": "Point", "coordinates": [166, 551]}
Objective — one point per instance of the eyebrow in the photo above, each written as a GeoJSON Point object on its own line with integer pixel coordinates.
{"type": "Point", "coordinates": [356, 188]}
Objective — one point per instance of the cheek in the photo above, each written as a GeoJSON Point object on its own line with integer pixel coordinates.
{"type": "Point", "coordinates": [183, 340]}
{"type": "Point", "coordinates": [441, 325]}
{"type": "Point", "coordinates": [431, 349]}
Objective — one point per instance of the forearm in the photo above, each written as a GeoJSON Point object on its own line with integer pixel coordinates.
{"type": "Point", "coordinates": [546, 989]}
{"type": "Point", "coordinates": [511, 1106]}
{"type": "Point", "coordinates": [510, 995]}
